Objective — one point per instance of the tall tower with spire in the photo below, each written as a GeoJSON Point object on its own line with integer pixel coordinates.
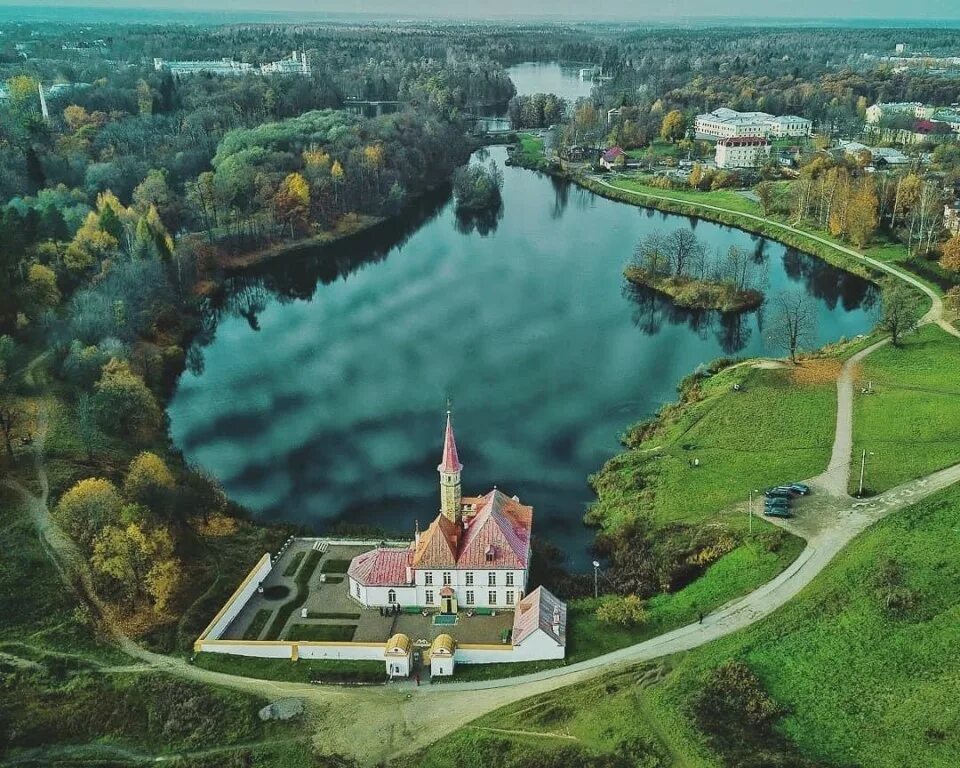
{"type": "Point", "coordinates": [449, 469]}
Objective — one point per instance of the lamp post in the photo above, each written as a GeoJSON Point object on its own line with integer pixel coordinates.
{"type": "Point", "coordinates": [750, 508]}
{"type": "Point", "coordinates": [596, 572]}
{"type": "Point", "coordinates": [863, 466]}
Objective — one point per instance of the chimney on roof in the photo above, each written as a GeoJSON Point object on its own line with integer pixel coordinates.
{"type": "Point", "coordinates": [409, 575]}
{"type": "Point", "coordinates": [416, 533]}
{"type": "Point", "coordinates": [556, 621]}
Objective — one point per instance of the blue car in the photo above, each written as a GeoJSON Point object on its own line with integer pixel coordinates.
{"type": "Point", "coordinates": [781, 512]}
{"type": "Point", "coordinates": [780, 492]}
{"type": "Point", "coordinates": [800, 488]}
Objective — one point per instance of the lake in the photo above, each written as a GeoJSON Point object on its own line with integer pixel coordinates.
{"type": "Point", "coordinates": [324, 379]}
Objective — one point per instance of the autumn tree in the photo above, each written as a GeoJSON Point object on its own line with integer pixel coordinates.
{"type": "Point", "coordinates": [42, 289]}
{"type": "Point", "coordinates": [765, 194]}
{"type": "Point", "coordinates": [862, 214]}
{"type": "Point", "coordinates": [124, 404]}
{"type": "Point", "coordinates": [291, 203]}
{"type": "Point", "coordinates": [673, 126]}
{"type": "Point", "coordinates": [951, 254]}
{"type": "Point", "coordinates": [138, 561]}
{"type": "Point", "coordinates": [149, 482]}
{"type": "Point", "coordinates": [87, 508]}
{"type": "Point", "coordinates": [900, 310]}
{"type": "Point", "coordinates": [793, 322]}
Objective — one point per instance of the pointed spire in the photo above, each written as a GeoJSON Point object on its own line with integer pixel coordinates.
{"type": "Point", "coordinates": [451, 462]}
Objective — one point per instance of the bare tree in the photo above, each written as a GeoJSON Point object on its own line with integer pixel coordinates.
{"type": "Point", "coordinates": [899, 312]}
{"type": "Point", "coordinates": [687, 253]}
{"type": "Point", "coordinates": [652, 254]}
{"type": "Point", "coordinates": [794, 322]}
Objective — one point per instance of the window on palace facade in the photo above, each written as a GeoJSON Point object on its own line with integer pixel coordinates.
{"type": "Point", "coordinates": [492, 597]}
{"type": "Point", "coordinates": [392, 596]}
{"type": "Point", "coordinates": [469, 597]}
{"type": "Point", "coordinates": [510, 579]}
{"type": "Point", "coordinates": [510, 597]}
{"type": "Point", "coordinates": [446, 578]}
{"type": "Point", "coordinates": [429, 596]}
{"type": "Point", "coordinates": [428, 578]}
{"type": "Point", "coordinates": [469, 578]}
{"type": "Point", "coordinates": [491, 579]}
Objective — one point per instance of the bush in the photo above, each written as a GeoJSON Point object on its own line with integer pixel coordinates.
{"type": "Point", "coordinates": [628, 611]}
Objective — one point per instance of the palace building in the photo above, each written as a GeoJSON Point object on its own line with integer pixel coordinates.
{"type": "Point", "coordinates": [474, 555]}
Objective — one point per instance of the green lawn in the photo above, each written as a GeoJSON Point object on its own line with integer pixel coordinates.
{"type": "Point", "coordinates": [333, 633]}
{"type": "Point", "coordinates": [259, 622]}
{"type": "Point", "coordinates": [866, 679]}
{"type": "Point", "coordinates": [302, 580]}
{"type": "Point", "coordinates": [738, 572]}
{"type": "Point", "coordinates": [335, 565]}
{"type": "Point", "coordinates": [911, 422]}
{"type": "Point", "coordinates": [773, 430]}
{"type": "Point", "coordinates": [294, 563]}
{"type": "Point", "coordinates": [301, 671]}
{"type": "Point", "coordinates": [724, 198]}
{"type": "Point", "coordinates": [531, 148]}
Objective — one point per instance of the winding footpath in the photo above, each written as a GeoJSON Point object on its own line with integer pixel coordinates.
{"type": "Point", "coordinates": [375, 723]}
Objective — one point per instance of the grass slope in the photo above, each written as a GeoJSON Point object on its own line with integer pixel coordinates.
{"type": "Point", "coordinates": [777, 428]}
{"type": "Point", "coordinates": [912, 421]}
{"type": "Point", "coordinates": [867, 680]}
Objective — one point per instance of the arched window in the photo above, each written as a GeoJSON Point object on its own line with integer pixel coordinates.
{"type": "Point", "coordinates": [392, 596]}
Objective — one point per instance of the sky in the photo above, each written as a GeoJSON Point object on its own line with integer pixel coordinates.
{"type": "Point", "coordinates": [605, 10]}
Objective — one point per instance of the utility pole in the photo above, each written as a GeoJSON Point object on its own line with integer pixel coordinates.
{"type": "Point", "coordinates": [596, 571]}
{"type": "Point", "coordinates": [750, 511]}
{"type": "Point", "coordinates": [863, 465]}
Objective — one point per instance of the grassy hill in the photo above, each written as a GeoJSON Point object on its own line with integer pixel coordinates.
{"type": "Point", "coordinates": [861, 668]}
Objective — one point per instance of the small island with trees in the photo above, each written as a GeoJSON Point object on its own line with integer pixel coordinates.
{"type": "Point", "coordinates": [676, 265]}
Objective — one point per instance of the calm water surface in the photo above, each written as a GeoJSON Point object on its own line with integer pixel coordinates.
{"type": "Point", "coordinates": [324, 378]}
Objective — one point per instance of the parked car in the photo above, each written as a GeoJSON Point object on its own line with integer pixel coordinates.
{"type": "Point", "coordinates": [780, 492]}
{"type": "Point", "coordinates": [782, 512]}
{"type": "Point", "coordinates": [776, 502]}
{"type": "Point", "coordinates": [800, 488]}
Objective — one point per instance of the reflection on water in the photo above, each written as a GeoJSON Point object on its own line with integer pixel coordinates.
{"type": "Point", "coordinates": [316, 390]}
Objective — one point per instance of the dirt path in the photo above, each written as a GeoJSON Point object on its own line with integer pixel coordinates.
{"type": "Point", "coordinates": [374, 724]}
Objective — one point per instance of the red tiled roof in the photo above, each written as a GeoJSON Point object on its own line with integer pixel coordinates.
{"type": "Point", "coordinates": [537, 611]}
{"type": "Point", "coordinates": [450, 462]}
{"type": "Point", "coordinates": [613, 153]}
{"type": "Point", "coordinates": [501, 527]}
{"type": "Point", "coordinates": [438, 545]}
{"type": "Point", "coordinates": [381, 567]}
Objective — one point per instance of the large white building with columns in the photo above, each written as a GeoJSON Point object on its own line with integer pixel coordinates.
{"type": "Point", "coordinates": [474, 555]}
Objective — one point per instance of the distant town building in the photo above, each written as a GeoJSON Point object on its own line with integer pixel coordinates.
{"type": "Point", "coordinates": [878, 155]}
{"type": "Point", "coordinates": [951, 217]}
{"type": "Point", "coordinates": [225, 67]}
{"type": "Point", "coordinates": [742, 152]}
{"type": "Point", "coordinates": [790, 125]}
{"type": "Point", "coordinates": [613, 115]}
{"type": "Point", "coordinates": [901, 48]}
{"type": "Point", "coordinates": [876, 112]}
{"type": "Point", "coordinates": [298, 63]}
{"type": "Point", "coordinates": [726, 123]}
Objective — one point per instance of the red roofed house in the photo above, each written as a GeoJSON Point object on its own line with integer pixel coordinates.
{"type": "Point", "coordinates": [612, 158]}
{"type": "Point", "coordinates": [475, 554]}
